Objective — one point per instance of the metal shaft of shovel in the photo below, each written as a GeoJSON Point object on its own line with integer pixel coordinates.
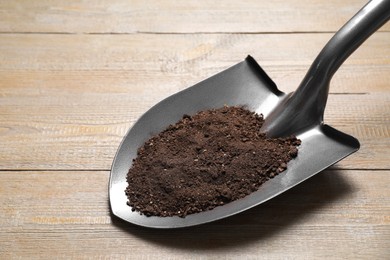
{"type": "Point", "coordinates": [305, 107]}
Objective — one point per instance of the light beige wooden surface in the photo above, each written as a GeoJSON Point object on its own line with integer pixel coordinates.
{"type": "Point", "coordinates": [75, 75]}
{"type": "Point", "coordinates": [168, 16]}
{"type": "Point", "coordinates": [336, 214]}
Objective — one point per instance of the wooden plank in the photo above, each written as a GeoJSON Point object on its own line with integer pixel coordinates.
{"type": "Point", "coordinates": [119, 63]}
{"type": "Point", "coordinates": [364, 117]}
{"type": "Point", "coordinates": [168, 16]}
{"type": "Point", "coordinates": [73, 131]}
{"type": "Point", "coordinates": [338, 214]}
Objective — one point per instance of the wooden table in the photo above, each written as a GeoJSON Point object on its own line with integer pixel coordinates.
{"type": "Point", "coordinates": [75, 75]}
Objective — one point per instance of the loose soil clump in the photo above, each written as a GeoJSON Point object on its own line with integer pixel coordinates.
{"type": "Point", "coordinates": [203, 161]}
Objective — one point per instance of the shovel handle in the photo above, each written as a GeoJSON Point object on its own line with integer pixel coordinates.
{"type": "Point", "coordinates": [361, 26]}
{"type": "Point", "coordinates": [305, 107]}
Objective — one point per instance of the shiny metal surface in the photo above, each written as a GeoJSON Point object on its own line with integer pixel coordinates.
{"type": "Point", "coordinates": [247, 84]}
{"type": "Point", "coordinates": [305, 107]}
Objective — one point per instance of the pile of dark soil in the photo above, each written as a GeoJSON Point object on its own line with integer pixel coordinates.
{"type": "Point", "coordinates": [204, 161]}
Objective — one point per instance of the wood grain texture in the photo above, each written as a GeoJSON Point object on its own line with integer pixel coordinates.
{"type": "Point", "coordinates": [112, 61]}
{"type": "Point", "coordinates": [66, 101]}
{"type": "Point", "coordinates": [154, 62]}
{"type": "Point", "coordinates": [66, 214]}
{"type": "Point", "coordinates": [75, 75]}
{"type": "Point", "coordinates": [167, 16]}
{"type": "Point", "coordinates": [73, 131]}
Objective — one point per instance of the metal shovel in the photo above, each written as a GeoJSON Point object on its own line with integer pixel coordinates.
{"type": "Point", "coordinates": [299, 113]}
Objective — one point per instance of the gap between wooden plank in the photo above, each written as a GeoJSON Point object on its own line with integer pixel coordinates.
{"type": "Point", "coordinates": [173, 33]}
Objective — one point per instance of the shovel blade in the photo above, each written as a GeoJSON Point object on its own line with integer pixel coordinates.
{"type": "Point", "coordinates": [244, 84]}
